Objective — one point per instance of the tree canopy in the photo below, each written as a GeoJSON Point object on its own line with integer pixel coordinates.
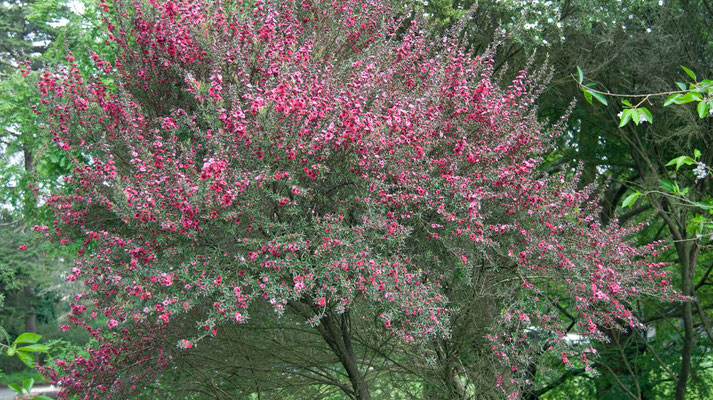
{"type": "Point", "coordinates": [349, 198]}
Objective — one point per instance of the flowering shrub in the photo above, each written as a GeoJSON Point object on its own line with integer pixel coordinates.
{"type": "Point", "coordinates": [321, 153]}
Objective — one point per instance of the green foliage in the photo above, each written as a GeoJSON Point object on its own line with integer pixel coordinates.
{"type": "Point", "coordinates": [40, 33]}
{"type": "Point", "coordinates": [19, 377]}
{"type": "Point", "coordinates": [23, 351]}
{"type": "Point", "coordinates": [631, 199]}
{"type": "Point", "coordinates": [36, 35]}
{"type": "Point", "coordinates": [701, 92]}
{"type": "Point", "coordinates": [679, 161]}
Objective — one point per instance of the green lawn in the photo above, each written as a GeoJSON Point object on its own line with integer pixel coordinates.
{"type": "Point", "coordinates": [18, 377]}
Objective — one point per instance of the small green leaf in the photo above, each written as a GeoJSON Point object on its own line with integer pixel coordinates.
{"type": "Point", "coordinates": [587, 95]}
{"type": "Point", "coordinates": [690, 73]}
{"type": "Point", "coordinates": [698, 89]}
{"type": "Point", "coordinates": [646, 114]}
{"type": "Point", "coordinates": [666, 185]}
{"type": "Point", "coordinates": [631, 199]}
{"type": "Point", "coordinates": [635, 116]}
{"type": "Point", "coordinates": [696, 225]}
{"type": "Point", "coordinates": [705, 206]}
{"type": "Point", "coordinates": [11, 350]}
{"type": "Point", "coordinates": [580, 75]}
{"type": "Point", "coordinates": [697, 154]}
{"type": "Point", "coordinates": [625, 117]}
{"type": "Point", "coordinates": [15, 388]}
{"type": "Point", "coordinates": [626, 103]}
{"type": "Point", "coordinates": [27, 384]}
{"type": "Point", "coordinates": [702, 109]}
{"type": "Point", "coordinates": [600, 97]}
{"type": "Point", "coordinates": [681, 85]}
{"type": "Point", "coordinates": [678, 161]}
{"type": "Point", "coordinates": [687, 98]}
{"type": "Point", "coordinates": [28, 337]}
{"type": "Point", "coordinates": [671, 99]}
{"type": "Point", "coordinates": [26, 358]}
{"type": "Point", "coordinates": [35, 348]}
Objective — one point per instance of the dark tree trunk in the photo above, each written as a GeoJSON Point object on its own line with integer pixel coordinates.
{"type": "Point", "coordinates": [688, 256]}
{"type": "Point", "coordinates": [31, 319]}
{"type": "Point", "coordinates": [29, 159]}
{"type": "Point", "coordinates": [336, 332]}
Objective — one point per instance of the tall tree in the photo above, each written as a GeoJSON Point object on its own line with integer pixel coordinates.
{"type": "Point", "coordinates": [26, 36]}
{"type": "Point", "coordinates": [331, 161]}
{"type": "Point", "coordinates": [34, 35]}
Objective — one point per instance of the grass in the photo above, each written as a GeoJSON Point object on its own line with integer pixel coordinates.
{"type": "Point", "coordinates": [18, 377]}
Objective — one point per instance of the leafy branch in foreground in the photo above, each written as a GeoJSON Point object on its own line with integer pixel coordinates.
{"type": "Point", "coordinates": [700, 92]}
{"type": "Point", "coordinates": [24, 347]}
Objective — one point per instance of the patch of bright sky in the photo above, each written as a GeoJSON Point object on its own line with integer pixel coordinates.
{"type": "Point", "coordinates": [76, 6]}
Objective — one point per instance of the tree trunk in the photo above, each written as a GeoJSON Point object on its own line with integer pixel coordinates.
{"type": "Point", "coordinates": [31, 319]}
{"type": "Point", "coordinates": [688, 256]}
{"type": "Point", "coordinates": [456, 390]}
{"type": "Point", "coordinates": [588, 144]}
{"type": "Point", "coordinates": [687, 251]}
{"type": "Point", "coordinates": [338, 336]}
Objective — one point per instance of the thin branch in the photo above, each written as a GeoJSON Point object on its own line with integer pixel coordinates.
{"type": "Point", "coordinates": [628, 366]}
{"type": "Point", "coordinates": [619, 382]}
{"type": "Point", "coordinates": [656, 356]}
{"type": "Point", "coordinates": [704, 320]}
{"type": "Point", "coordinates": [703, 278]}
{"type": "Point", "coordinates": [569, 374]}
{"type": "Point", "coordinates": [646, 96]}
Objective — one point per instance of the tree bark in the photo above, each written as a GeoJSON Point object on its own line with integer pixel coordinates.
{"type": "Point", "coordinates": [453, 387]}
{"type": "Point", "coordinates": [335, 331]}
{"type": "Point", "coordinates": [687, 253]}
{"type": "Point", "coordinates": [31, 319]}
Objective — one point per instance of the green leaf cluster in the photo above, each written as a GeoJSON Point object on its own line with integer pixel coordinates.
{"type": "Point", "coordinates": [25, 346]}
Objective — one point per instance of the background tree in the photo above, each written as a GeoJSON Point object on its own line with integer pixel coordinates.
{"type": "Point", "coordinates": [26, 38]}
{"type": "Point", "coordinates": [35, 35]}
